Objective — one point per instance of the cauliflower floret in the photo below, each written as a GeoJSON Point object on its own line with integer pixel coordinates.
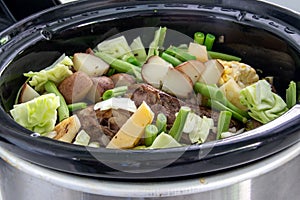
{"type": "Point", "coordinates": [243, 74]}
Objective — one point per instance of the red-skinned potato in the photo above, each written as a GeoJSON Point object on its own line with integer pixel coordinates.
{"type": "Point", "coordinates": [75, 87]}
{"type": "Point", "coordinates": [212, 73]}
{"type": "Point", "coordinates": [27, 93]}
{"type": "Point", "coordinates": [192, 68]}
{"type": "Point", "coordinates": [89, 64]}
{"type": "Point", "coordinates": [122, 79]}
{"type": "Point", "coordinates": [100, 85]}
{"type": "Point", "coordinates": [160, 74]}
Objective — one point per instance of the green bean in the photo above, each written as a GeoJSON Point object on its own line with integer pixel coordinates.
{"type": "Point", "coordinates": [291, 95]}
{"type": "Point", "coordinates": [176, 130]}
{"type": "Point", "coordinates": [213, 92]}
{"type": "Point", "coordinates": [120, 65]}
{"type": "Point", "coordinates": [63, 110]}
{"type": "Point", "coordinates": [151, 132]}
{"type": "Point", "coordinates": [220, 107]}
{"type": "Point", "coordinates": [170, 59]}
{"type": "Point", "coordinates": [115, 92]}
{"type": "Point", "coordinates": [77, 106]}
{"type": "Point", "coordinates": [134, 61]}
{"type": "Point", "coordinates": [209, 41]}
{"type": "Point", "coordinates": [179, 53]}
{"type": "Point", "coordinates": [223, 56]}
{"type": "Point", "coordinates": [110, 72]}
{"type": "Point", "coordinates": [161, 122]}
{"type": "Point", "coordinates": [223, 123]}
{"type": "Point", "coordinates": [199, 38]}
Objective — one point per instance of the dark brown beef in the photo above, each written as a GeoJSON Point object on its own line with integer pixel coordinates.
{"type": "Point", "coordinates": [102, 125]}
{"type": "Point", "coordinates": [162, 102]}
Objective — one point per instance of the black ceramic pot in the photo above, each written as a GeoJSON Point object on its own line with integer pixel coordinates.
{"type": "Point", "coordinates": [264, 36]}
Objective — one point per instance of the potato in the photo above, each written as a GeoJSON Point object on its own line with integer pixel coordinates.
{"type": "Point", "coordinates": [192, 68]}
{"type": "Point", "coordinates": [27, 93]}
{"type": "Point", "coordinates": [90, 64]}
{"type": "Point", "coordinates": [75, 87]}
{"type": "Point", "coordinates": [122, 79]}
{"type": "Point", "coordinates": [100, 85]}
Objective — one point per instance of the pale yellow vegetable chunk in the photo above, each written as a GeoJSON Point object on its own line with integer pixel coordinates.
{"type": "Point", "coordinates": [133, 130]}
{"type": "Point", "coordinates": [67, 129]}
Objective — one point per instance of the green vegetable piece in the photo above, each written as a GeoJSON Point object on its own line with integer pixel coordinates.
{"type": "Point", "coordinates": [38, 115]}
{"type": "Point", "coordinates": [161, 122]}
{"type": "Point", "coordinates": [209, 41]}
{"type": "Point", "coordinates": [170, 59]}
{"type": "Point", "coordinates": [55, 74]}
{"type": "Point", "coordinates": [63, 110]}
{"type": "Point", "coordinates": [264, 105]}
{"type": "Point", "coordinates": [213, 92]}
{"type": "Point", "coordinates": [223, 123]}
{"type": "Point", "coordinates": [151, 132]}
{"type": "Point", "coordinates": [77, 106]}
{"type": "Point", "coordinates": [116, 47]}
{"type": "Point", "coordinates": [115, 92]}
{"type": "Point", "coordinates": [177, 128]}
{"type": "Point", "coordinates": [291, 95]}
{"type": "Point", "coordinates": [120, 65]}
{"type": "Point", "coordinates": [138, 50]}
{"type": "Point", "coordinates": [82, 138]}
{"type": "Point", "coordinates": [181, 54]}
{"type": "Point", "coordinates": [157, 42]}
{"type": "Point", "coordinates": [199, 38]}
{"type": "Point", "coordinates": [110, 72]}
{"type": "Point", "coordinates": [164, 140]}
{"type": "Point", "coordinates": [134, 61]}
{"type": "Point", "coordinates": [221, 107]}
{"type": "Point", "coordinates": [223, 56]}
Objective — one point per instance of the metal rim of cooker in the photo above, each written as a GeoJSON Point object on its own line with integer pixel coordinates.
{"type": "Point", "coordinates": [258, 143]}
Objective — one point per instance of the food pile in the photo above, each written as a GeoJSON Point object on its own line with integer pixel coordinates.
{"type": "Point", "coordinates": [125, 96]}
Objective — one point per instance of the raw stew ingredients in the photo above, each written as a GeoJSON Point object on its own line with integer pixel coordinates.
{"type": "Point", "coordinates": [121, 95]}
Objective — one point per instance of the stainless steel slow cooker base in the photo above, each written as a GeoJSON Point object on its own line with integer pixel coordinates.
{"type": "Point", "coordinates": [275, 178]}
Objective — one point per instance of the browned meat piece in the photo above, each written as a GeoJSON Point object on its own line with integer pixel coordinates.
{"type": "Point", "coordinates": [102, 125]}
{"type": "Point", "coordinates": [162, 102]}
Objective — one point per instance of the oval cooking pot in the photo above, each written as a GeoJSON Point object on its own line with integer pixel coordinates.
{"type": "Point", "coordinates": [263, 35]}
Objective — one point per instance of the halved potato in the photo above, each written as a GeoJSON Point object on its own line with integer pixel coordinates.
{"type": "Point", "coordinates": [212, 73]}
{"type": "Point", "coordinates": [89, 64]}
{"type": "Point", "coordinates": [199, 51]}
{"type": "Point", "coordinates": [192, 68]}
{"type": "Point", "coordinates": [67, 129]}
{"type": "Point", "coordinates": [27, 93]}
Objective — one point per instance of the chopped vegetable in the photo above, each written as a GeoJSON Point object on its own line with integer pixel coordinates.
{"type": "Point", "coordinates": [180, 54]}
{"type": "Point", "coordinates": [116, 103]}
{"type": "Point", "coordinates": [241, 73]}
{"type": "Point", "coordinates": [67, 129]}
{"type": "Point", "coordinates": [209, 41]}
{"type": "Point", "coordinates": [164, 140]}
{"type": "Point", "coordinates": [115, 92]}
{"type": "Point", "coordinates": [201, 129]}
{"type": "Point", "coordinates": [157, 42]}
{"type": "Point", "coordinates": [161, 122]}
{"type": "Point", "coordinates": [56, 74]}
{"type": "Point", "coordinates": [120, 65]}
{"type": "Point", "coordinates": [223, 123]}
{"type": "Point", "coordinates": [63, 110]}
{"type": "Point", "coordinates": [177, 128]}
{"type": "Point", "coordinates": [26, 93]}
{"type": "Point", "coordinates": [116, 47]}
{"type": "Point", "coordinates": [132, 131]}
{"type": "Point", "coordinates": [199, 37]}
{"type": "Point", "coordinates": [291, 95]}
{"type": "Point", "coordinates": [170, 59]}
{"type": "Point", "coordinates": [77, 106]}
{"type": "Point", "coordinates": [138, 50]}
{"type": "Point", "coordinates": [264, 105]}
{"type": "Point", "coordinates": [199, 51]}
{"type": "Point", "coordinates": [151, 132]}
{"type": "Point", "coordinates": [223, 56]}
{"type": "Point", "coordinates": [38, 115]}
{"type": "Point", "coordinates": [212, 73]}
{"type": "Point", "coordinates": [82, 138]}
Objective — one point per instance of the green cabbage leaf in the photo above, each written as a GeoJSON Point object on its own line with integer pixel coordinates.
{"type": "Point", "coordinates": [39, 114]}
{"type": "Point", "coordinates": [56, 74]}
{"type": "Point", "coordinates": [264, 105]}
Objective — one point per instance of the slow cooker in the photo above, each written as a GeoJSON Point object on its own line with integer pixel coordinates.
{"type": "Point", "coordinates": [265, 36]}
